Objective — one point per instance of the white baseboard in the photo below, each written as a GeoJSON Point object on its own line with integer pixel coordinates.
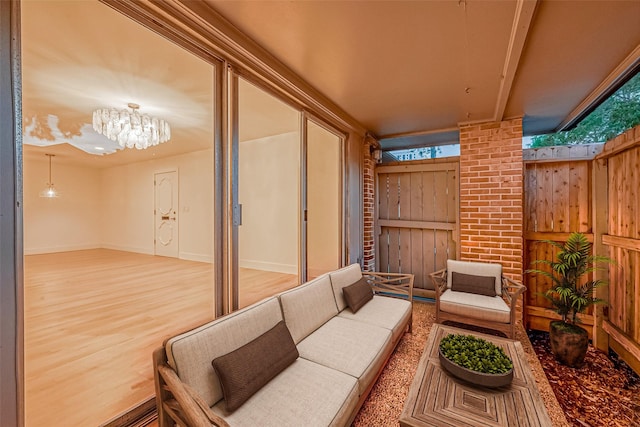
{"type": "Point", "coordinates": [196, 257]}
{"type": "Point", "coordinates": [54, 249]}
{"type": "Point", "coordinates": [128, 249]}
{"type": "Point", "coordinates": [269, 266]}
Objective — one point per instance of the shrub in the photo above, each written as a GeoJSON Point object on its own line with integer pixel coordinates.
{"type": "Point", "coordinates": [475, 354]}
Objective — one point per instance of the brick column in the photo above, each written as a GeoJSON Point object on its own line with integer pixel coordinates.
{"type": "Point", "coordinates": [491, 194]}
{"type": "Point", "coordinates": [368, 200]}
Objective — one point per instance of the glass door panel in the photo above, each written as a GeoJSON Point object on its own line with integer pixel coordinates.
{"type": "Point", "coordinates": [268, 195]}
{"type": "Point", "coordinates": [324, 195]}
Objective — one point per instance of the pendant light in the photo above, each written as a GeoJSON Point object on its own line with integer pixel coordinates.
{"type": "Point", "coordinates": [49, 191]}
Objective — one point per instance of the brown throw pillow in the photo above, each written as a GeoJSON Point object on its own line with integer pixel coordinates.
{"type": "Point", "coordinates": [357, 294]}
{"type": "Point", "coordinates": [481, 285]}
{"type": "Point", "coordinates": [247, 369]}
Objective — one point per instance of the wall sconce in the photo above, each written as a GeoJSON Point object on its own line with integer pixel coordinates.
{"type": "Point", "coordinates": [377, 155]}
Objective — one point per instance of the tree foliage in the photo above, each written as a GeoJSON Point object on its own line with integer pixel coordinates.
{"type": "Point", "coordinates": [620, 112]}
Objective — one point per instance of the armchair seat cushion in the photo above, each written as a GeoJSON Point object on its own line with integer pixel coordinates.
{"type": "Point", "coordinates": [482, 307]}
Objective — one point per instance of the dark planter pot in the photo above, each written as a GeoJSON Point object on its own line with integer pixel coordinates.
{"type": "Point", "coordinates": [473, 377]}
{"type": "Point", "coordinates": [569, 343]}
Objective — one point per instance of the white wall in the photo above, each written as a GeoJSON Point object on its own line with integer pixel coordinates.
{"type": "Point", "coordinates": [113, 207]}
{"type": "Point", "coordinates": [269, 178]}
{"type": "Point", "coordinates": [127, 214]}
{"type": "Point", "coordinates": [70, 222]}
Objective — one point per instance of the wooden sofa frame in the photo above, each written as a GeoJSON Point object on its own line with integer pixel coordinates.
{"type": "Point", "coordinates": [511, 291]}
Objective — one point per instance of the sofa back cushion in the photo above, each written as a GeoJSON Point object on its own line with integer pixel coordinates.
{"type": "Point", "coordinates": [190, 354]}
{"type": "Point", "coordinates": [344, 277]}
{"type": "Point", "coordinates": [476, 269]}
{"type": "Point", "coordinates": [308, 307]}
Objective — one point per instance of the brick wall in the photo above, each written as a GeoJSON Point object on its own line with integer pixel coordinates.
{"type": "Point", "coordinates": [368, 199]}
{"type": "Point", "coordinates": [491, 194]}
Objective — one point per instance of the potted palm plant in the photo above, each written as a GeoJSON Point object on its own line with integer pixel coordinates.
{"type": "Point", "coordinates": [571, 293]}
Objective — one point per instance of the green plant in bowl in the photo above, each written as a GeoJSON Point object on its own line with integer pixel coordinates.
{"type": "Point", "coordinates": [475, 360]}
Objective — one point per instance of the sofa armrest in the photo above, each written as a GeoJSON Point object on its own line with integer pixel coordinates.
{"type": "Point", "coordinates": [399, 283]}
{"type": "Point", "coordinates": [439, 279]}
{"type": "Point", "coordinates": [511, 291]}
{"type": "Point", "coordinates": [185, 404]}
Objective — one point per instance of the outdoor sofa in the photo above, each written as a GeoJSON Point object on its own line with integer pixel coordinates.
{"type": "Point", "coordinates": [300, 358]}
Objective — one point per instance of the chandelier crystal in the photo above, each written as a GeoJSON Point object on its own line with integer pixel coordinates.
{"type": "Point", "coordinates": [130, 128]}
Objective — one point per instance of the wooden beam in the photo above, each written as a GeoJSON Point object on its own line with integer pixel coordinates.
{"type": "Point", "coordinates": [417, 167]}
{"type": "Point", "coordinates": [621, 242]}
{"type": "Point", "coordinates": [428, 225]}
{"type": "Point", "coordinates": [599, 224]}
{"type": "Point", "coordinates": [521, 24]}
{"type": "Point", "coordinates": [553, 236]}
{"type": "Point", "coordinates": [622, 339]}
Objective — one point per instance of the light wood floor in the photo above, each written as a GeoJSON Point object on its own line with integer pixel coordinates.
{"type": "Point", "coordinates": [93, 318]}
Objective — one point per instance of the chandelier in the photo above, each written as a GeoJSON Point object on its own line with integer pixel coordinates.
{"type": "Point", "coordinates": [130, 128]}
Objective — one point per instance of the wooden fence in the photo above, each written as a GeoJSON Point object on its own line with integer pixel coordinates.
{"type": "Point", "coordinates": [558, 200]}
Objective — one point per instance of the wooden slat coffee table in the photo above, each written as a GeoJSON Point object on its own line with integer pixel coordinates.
{"type": "Point", "coordinates": [436, 398]}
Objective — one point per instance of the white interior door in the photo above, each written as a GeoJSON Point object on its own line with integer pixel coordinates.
{"type": "Point", "coordinates": [166, 214]}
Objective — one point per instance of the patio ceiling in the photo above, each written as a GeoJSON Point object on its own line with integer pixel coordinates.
{"type": "Point", "coordinates": [410, 72]}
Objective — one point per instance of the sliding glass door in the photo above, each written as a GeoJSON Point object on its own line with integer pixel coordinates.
{"type": "Point", "coordinates": [285, 187]}
{"type": "Point", "coordinates": [324, 200]}
{"type": "Point", "coordinates": [268, 194]}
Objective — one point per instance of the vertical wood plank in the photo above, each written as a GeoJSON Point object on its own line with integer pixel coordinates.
{"type": "Point", "coordinates": [545, 193]}
{"type": "Point", "coordinates": [428, 199]}
{"type": "Point", "coordinates": [394, 250]}
{"type": "Point", "coordinates": [560, 204]}
{"type": "Point", "coordinates": [417, 203]}
{"type": "Point", "coordinates": [530, 185]}
{"type": "Point", "coordinates": [428, 249]}
{"type": "Point", "coordinates": [440, 196]}
{"type": "Point", "coordinates": [383, 196]}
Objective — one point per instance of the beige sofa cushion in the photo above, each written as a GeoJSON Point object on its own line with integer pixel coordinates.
{"type": "Point", "coordinates": [386, 312]}
{"type": "Point", "coordinates": [190, 354]}
{"type": "Point", "coordinates": [475, 268]}
{"type": "Point", "coordinates": [352, 347]}
{"type": "Point", "coordinates": [308, 307]}
{"type": "Point", "coordinates": [341, 278]}
{"type": "Point", "coordinates": [304, 394]}
{"type": "Point", "coordinates": [482, 307]}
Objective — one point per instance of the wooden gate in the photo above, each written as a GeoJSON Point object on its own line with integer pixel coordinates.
{"type": "Point", "coordinates": [417, 218]}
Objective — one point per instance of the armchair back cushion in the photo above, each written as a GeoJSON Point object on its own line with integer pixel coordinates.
{"type": "Point", "coordinates": [470, 283]}
{"type": "Point", "coordinates": [476, 269]}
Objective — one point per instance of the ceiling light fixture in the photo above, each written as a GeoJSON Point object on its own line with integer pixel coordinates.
{"type": "Point", "coordinates": [49, 192]}
{"type": "Point", "coordinates": [130, 128]}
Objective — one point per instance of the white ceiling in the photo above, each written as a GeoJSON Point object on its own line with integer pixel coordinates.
{"type": "Point", "coordinates": [423, 67]}
{"type": "Point", "coordinates": [410, 71]}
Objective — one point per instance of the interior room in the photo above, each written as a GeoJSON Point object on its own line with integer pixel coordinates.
{"type": "Point", "coordinates": [267, 164]}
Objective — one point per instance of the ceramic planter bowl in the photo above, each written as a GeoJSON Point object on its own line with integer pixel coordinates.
{"type": "Point", "coordinates": [474, 377]}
